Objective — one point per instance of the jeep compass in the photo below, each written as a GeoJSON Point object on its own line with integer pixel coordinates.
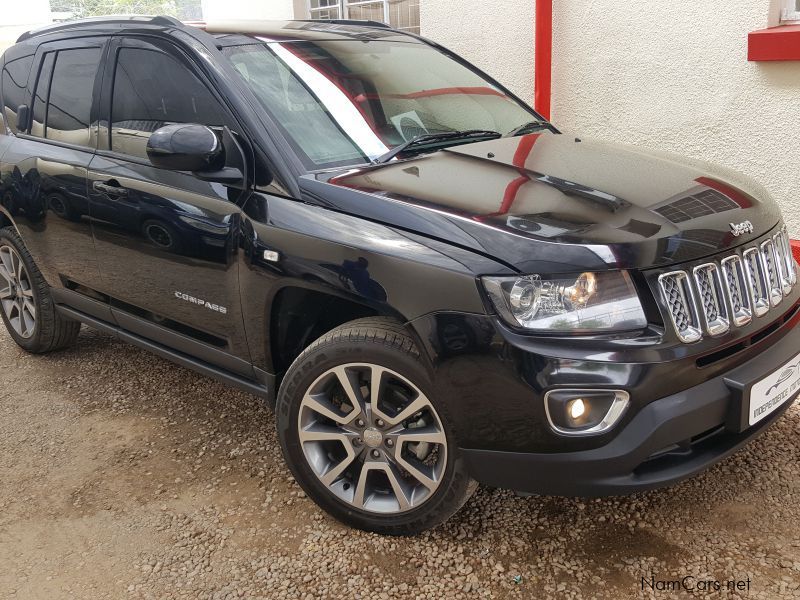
{"type": "Point", "coordinates": [434, 286]}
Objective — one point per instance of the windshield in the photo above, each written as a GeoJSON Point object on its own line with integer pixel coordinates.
{"type": "Point", "coordinates": [348, 102]}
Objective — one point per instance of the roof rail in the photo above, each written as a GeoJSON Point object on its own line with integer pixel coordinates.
{"type": "Point", "coordinates": [111, 19]}
{"type": "Point", "coordinates": [361, 23]}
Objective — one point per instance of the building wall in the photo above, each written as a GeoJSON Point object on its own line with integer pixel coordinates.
{"type": "Point", "coordinates": [217, 10]}
{"type": "Point", "coordinates": [300, 9]}
{"type": "Point", "coordinates": [30, 12]}
{"type": "Point", "coordinates": [18, 17]}
{"type": "Point", "coordinates": [497, 36]}
{"type": "Point", "coordinates": [665, 75]}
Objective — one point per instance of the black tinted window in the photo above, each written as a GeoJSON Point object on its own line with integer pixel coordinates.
{"type": "Point", "coordinates": [151, 90]}
{"type": "Point", "coordinates": [15, 81]}
{"type": "Point", "coordinates": [40, 96]}
{"type": "Point", "coordinates": [70, 104]}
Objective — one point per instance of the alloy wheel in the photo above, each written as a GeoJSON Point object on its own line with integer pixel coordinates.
{"type": "Point", "coordinates": [372, 438]}
{"type": "Point", "coordinates": [159, 235]}
{"type": "Point", "coordinates": [16, 292]}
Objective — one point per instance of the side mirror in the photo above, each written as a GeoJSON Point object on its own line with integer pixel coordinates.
{"type": "Point", "coordinates": [23, 116]}
{"type": "Point", "coordinates": [185, 147]}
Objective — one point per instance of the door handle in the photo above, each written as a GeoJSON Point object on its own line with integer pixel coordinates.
{"type": "Point", "coordinates": [112, 188]}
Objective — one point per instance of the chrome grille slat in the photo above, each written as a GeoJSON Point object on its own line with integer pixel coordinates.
{"type": "Point", "coordinates": [791, 264]}
{"type": "Point", "coordinates": [712, 297]}
{"type": "Point", "coordinates": [756, 281]}
{"type": "Point", "coordinates": [736, 286]}
{"type": "Point", "coordinates": [783, 254]}
{"type": "Point", "coordinates": [679, 298]}
{"type": "Point", "coordinates": [769, 261]}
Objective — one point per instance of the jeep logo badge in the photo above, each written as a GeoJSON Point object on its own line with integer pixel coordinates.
{"type": "Point", "coordinates": [741, 228]}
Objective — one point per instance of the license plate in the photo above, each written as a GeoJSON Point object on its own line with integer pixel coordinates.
{"type": "Point", "coordinates": [770, 393]}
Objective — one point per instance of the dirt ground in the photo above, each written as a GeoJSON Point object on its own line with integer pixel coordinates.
{"type": "Point", "coordinates": [124, 476]}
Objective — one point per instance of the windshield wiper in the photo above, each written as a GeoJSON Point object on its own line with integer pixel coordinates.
{"type": "Point", "coordinates": [433, 138]}
{"type": "Point", "coordinates": [529, 128]}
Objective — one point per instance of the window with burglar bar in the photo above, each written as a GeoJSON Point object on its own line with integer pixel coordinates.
{"type": "Point", "coordinates": [791, 11]}
{"type": "Point", "coordinates": [400, 14]}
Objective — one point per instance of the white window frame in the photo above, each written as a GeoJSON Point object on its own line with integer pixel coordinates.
{"type": "Point", "coordinates": [335, 6]}
{"type": "Point", "coordinates": [343, 7]}
{"type": "Point", "coordinates": [790, 12]}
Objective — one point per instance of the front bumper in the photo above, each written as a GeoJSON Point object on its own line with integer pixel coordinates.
{"type": "Point", "coordinates": [666, 441]}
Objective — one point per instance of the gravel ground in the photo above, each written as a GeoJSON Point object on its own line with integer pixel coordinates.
{"type": "Point", "coordinates": [124, 476]}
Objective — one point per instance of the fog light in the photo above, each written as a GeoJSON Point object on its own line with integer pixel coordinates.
{"type": "Point", "coordinates": [584, 412]}
{"type": "Point", "coordinates": [577, 408]}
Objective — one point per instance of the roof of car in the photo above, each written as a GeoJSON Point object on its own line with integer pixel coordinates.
{"type": "Point", "coordinates": [276, 30]}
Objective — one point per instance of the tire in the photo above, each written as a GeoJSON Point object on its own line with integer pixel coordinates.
{"type": "Point", "coordinates": [403, 473]}
{"type": "Point", "coordinates": [161, 234]}
{"type": "Point", "coordinates": [61, 207]}
{"type": "Point", "coordinates": [42, 329]}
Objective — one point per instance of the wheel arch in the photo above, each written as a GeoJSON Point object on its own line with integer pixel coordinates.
{"type": "Point", "coordinates": [299, 313]}
{"type": "Point", "coordinates": [6, 220]}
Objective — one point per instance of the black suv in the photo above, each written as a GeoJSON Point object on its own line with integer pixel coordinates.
{"type": "Point", "coordinates": [433, 284]}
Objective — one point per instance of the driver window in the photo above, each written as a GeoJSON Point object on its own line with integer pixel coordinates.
{"type": "Point", "coordinates": [152, 89]}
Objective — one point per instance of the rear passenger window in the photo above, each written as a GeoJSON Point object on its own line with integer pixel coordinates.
{"type": "Point", "coordinates": [40, 97]}
{"type": "Point", "coordinates": [152, 89]}
{"type": "Point", "coordinates": [70, 101]}
{"type": "Point", "coordinates": [15, 82]}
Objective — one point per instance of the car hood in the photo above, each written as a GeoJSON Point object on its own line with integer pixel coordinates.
{"type": "Point", "coordinates": [556, 203]}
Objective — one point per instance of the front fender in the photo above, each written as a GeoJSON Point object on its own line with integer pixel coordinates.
{"type": "Point", "coordinates": [393, 272]}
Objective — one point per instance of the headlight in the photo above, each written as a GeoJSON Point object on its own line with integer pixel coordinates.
{"type": "Point", "coordinates": [585, 303]}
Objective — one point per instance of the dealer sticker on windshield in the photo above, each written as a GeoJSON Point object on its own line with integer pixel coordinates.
{"type": "Point", "coordinates": [770, 393]}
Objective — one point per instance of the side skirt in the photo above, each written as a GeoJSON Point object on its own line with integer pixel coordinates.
{"type": "Point", "coordinates": [264, 390]}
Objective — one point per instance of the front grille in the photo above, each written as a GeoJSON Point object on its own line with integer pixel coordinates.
{"type": "Point", "coordinates": [730, 292]}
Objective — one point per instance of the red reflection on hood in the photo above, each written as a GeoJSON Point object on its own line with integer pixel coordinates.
{"type": "Point", "coordinates": [524, 149]}
{"type": "Point", "coordinates": [723, 188]}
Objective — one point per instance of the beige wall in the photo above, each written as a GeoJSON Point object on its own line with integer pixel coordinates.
{"type": "Point", "coordinates": [300, 8]}
{"type": "Point", "coordinates": [223, 10]}
{"type": "Point", "coordinates": [666, 75]}
{"type": "Point", "coordinates": [497, 36]}
{"type": "Point", "coordinates": [18, 17]}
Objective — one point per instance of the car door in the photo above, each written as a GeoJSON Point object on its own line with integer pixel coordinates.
{"type": "Point", "coordinates": [44, 172]}
{"type": "Point", "coordinates": [166, 241]}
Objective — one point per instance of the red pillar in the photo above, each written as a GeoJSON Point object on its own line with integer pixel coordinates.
{"type": "Point", "coordinates": [544, 57]}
